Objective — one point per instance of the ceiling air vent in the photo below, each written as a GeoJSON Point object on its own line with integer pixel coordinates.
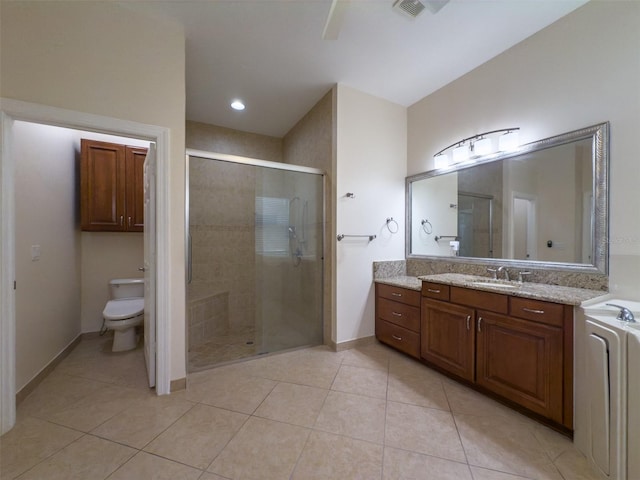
{"type": "Point", "coordinates": [413, 8]}
{"type": "Point", "coordinates": [410, 8]}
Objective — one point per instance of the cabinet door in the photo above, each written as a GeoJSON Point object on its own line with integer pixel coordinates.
{"type": "Point", "coordinates": [447, 337]}
{"type": "Point", "coordinates": [135, 188]}
{"type": "Point", "coordinates": [521, 361]}
{"type": "Point", "coordinates": [102, 186]}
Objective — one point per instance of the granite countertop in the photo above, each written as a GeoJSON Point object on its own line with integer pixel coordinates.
{"type": "Point", "coordinates": [538, 291]}
{"type": "Point", "coordinates": [404, 281]}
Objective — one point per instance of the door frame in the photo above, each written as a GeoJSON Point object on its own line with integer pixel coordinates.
{"type": "Point", "coordinates": [532, 224]}
{"type": "Point", "coordinates": [11, 110]}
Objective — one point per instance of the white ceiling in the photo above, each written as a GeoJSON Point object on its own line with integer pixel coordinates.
{"type": "Point", "coordinates": [270, 53]}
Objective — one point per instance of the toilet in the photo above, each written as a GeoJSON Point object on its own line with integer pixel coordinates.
{"type": "Point", "coordinates": [124, 312]}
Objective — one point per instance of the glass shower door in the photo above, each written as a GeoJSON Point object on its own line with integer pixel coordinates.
{"type": "Point", "coordinates": [288, 259]}
{"type": "Point", "coordinates": [256, 260]}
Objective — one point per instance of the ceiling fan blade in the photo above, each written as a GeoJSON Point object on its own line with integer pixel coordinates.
{"type": "Point", "coordinates": [335, 19]}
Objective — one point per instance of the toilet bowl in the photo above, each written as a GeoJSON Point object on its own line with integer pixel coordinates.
{"type": "Point", "coordinates": [124, 312]}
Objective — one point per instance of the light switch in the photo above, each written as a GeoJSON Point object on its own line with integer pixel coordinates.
{"type": "Point", "coordinates": [35, 253]}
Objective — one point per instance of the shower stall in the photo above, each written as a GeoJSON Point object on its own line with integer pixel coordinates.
{"type": "Point", "coordinates": [255, 258]}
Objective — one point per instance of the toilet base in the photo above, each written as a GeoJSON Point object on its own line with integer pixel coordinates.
{"type": "Point", "coordinates": [124, 340]}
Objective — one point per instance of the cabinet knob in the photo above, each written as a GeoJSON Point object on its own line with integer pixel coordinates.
{"type": "Point", "coordinates": [129, 221]}
{"type": "Point", "coordinates": [121, 220]}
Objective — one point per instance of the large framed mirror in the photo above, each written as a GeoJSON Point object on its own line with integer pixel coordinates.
{"type": "Point", "coordinates": [544, 205]}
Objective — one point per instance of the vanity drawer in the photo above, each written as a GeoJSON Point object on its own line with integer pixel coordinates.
{"type": "Point", "coordinates": [494, 302]}
{"type": "Point", "coordinates": [399, 294]}
{"type": "Point", "coordinates": [537, 311]}
{"type": "Point", "coordinates": [435, 290]}
{"type": "Point", "coordinates": [398, 337]}
{"type": "Point", "coordinates": [401, 314]}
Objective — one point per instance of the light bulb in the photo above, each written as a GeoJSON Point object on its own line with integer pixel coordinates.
{"type": "Point", "coordinates": [441, 161]}
{"type": "Point", "coordinates": [484, 146]}
{"type": "Point", "coordinates": [509, 141]}
{"type": "Point", "coordinates": [237, 105]}
{"type": "Point", "coordinates": [460, 153]}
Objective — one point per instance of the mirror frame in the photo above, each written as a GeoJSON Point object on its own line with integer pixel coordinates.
{"type": "Point", "coordinates": [599, 135]}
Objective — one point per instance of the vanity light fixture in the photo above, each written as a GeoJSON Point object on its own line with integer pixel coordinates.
{"type": "Point", "coordinates": [441, 160]}
{"type": "Point", "coordinates": [480, 145]}
{"type": "Point", "coordinates": [509, 141]}
{"type": "Point", "coordinates": [460, 153]}
{"type": "Point", "coordinates": [237, 105]}
{"type": "Point", "coordinates": [483, 146]}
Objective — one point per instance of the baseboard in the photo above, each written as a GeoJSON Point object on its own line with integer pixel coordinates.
{"type": "Point", "coordinates": [177, 385]}
{"type": "Point", "coordinates": [358, 342]}
{"type": "Point", "coordinates": [44, 373]}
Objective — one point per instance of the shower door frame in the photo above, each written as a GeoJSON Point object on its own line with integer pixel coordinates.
{"type": "Point", "coordinates": [225, 157]}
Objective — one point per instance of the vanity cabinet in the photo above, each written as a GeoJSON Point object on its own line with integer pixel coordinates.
{"type": "Point", "coordinates": [447, 337]}
{"type": "Point", "coordinates": [398, 318]}
{"type": "Point", "coordinates": [519, 349]}
{"type": "Point", "coordinates": [111, 187]}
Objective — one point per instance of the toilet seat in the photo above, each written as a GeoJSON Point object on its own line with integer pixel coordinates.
{"type": "Point", "coordinates": [123, 308]}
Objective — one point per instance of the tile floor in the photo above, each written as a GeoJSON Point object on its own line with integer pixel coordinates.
{"type": "Point", "coordinates": [367, 413]}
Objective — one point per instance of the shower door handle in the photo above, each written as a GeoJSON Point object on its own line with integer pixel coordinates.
{"type": "Point", "coordinates": [189, 267]}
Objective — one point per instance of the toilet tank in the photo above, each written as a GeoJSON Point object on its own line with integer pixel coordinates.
{"type": "Point", "coordinates": [127, 287]}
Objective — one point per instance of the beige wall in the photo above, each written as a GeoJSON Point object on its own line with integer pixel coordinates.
{"type": "Point", "coordinates": [211, 138]}
{"type": "Point", "coordinates": [101, 58]}
{"type": "Point", "coordinates": [371, 152]}
{"type": "Point", "coordinates": [106, 255]}
{"type": "Point", "coordinates": [47, 214]}
{"type": "Point", "coordinates": [582, 70]}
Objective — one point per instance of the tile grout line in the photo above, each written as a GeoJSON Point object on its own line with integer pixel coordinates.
{"type": "Point", "coordinates": [384, 428]}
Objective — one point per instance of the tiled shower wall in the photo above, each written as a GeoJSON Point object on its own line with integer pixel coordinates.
{"type": "Point", "coordinates": [222, 228]}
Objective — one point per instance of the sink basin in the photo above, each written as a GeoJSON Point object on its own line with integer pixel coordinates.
{"type": "Point", "coordinates": [494, 284]}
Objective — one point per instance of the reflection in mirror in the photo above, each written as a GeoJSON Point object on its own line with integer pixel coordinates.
{"type": "Point", "coordinates": [545, 203]}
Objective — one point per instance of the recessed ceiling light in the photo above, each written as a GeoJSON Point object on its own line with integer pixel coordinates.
{"type": "Point", "coordinates": [237, 105]}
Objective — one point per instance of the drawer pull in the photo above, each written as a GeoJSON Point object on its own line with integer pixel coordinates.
{"type": "Point", "coordinates": [468, 322]}
{"type": "Point", "coordinates": [479, 325]}
{"type": "Point", "coordinates": [531, 310]}
{"type": "Point", "coordinates": [396, 294]}
{"type": "Point", "coordinates": [431, 290]}
{"type": "Point", "coordinates": [397, 337]}
{"type": "Point", "coordinates": [396, 314]}
{"type": "Point", "coordinates": [121, 220]}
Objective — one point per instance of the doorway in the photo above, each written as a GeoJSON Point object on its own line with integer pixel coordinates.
{"type": "Point", "coordinates": [524, 246]}
{"type": "Point", "coordinates": [11, 112]}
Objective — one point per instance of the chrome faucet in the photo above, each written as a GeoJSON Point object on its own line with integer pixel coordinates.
{"type": "Point", "coordinates": [625, 314]}
{"type": "Point", "coordinates": [521, 276]}
{"type": "Point", "coordinates": [506, 272]}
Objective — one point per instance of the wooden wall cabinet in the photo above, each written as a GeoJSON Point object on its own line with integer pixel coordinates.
{"type": "Point", "coordinates": [112, 187]}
